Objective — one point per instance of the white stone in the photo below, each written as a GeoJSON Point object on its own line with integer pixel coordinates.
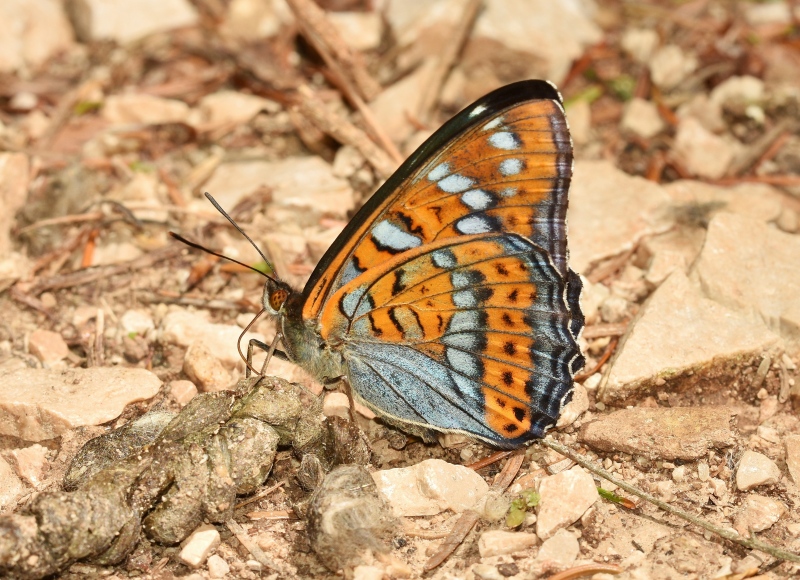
{"type": "Point", "coordinates": [752, 267]}
{"type": "Point", "coordinates": [364, 572]}
{"type": "Point", "coordinates": [614, 309]}
{"type": "Point", "coordinates": [250, 20]}
{"type": "Point", "coordinates": [592, 297]}
{"type": "Point", "coordinates": [565, 497]}
{"type": "Point", "coordinates": [611, 211]}
{"type": "Point", "coordinates": [32, 31]}
{"type": "Point", "coordinates": [575, 408]}
{"type": "Point", "coordinates": [792, 443]}
{"type": "Point", "coordinates": [679, 330]}
{"type": "Point", "coordinates": [184, 327]}
{"type": "Point", "coordinates": [124, 22]}
{"type": "Point", "coordinates": [196, 549]}
{"type": "Point", "coordinates": [641, 118]}
{"type": "Point", "coordinates": [562, 549]}
{"type": "Point", "coordinates": [347, 161]}
{"type": "Point", "coordinates": [106, 254]}
{"type": "Point", "coordinates": [228, 109]}
{"type": "Point", "coordinates": [788, 221]}
{"type": "Point", "coordinates": [142, 109]}
{"type": "Point", "coordinates": [701, 152]}
{"type": "Point", "coordinates": [217, 566]}
{"type": "Point", "coordinates": [360, 30]}
{"type": "Point", "coordinates": [500, 542]}
{"type": "Point", "coordinates": [182, 391]}
{"type": "Point", "coordinates": [430, 487]}
{"type": "Point", "coordinates": [31, 463]}
{"type": "Point", "coordinates": [738, 90]}
{"type": "Point", "coordinates": [675, 250]}
{"type": "Point", "coordinates": [756, 469]}
{"type": "Point", "coordinates": [757, 14]}
{"type": "Point", "coordinates": [14, 179]}
{"type": "Point", "coordinates": [137, 321]}
{"type": "Point", "coordinates": [336, 405]}
{"type": "Point", "coordinates": [555, 31]}
{"type": "Point", "coordinates": [708, 112]}
{"type": "Point", "coordinates": [11, 487]}
{"type": "Point", "coordinates": [487, 572]}
{"type": "Point", "coordinates": [757, 514]}
{"type": "Point", "coordinates": [48, 346]}
{"type": "Point", "coordinates": [302, 182]}
{"type": "Point", "coordinates": [640, 43]}
{"type": "Point", "coordinates": [670, 65]}
{"type": "Point", "coordinates": [205, 369]}
{"type": "Point", "coordinates": [37, 404]}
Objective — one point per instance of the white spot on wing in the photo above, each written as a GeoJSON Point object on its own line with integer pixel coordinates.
{"type": "Point", "coordinates": [503, 140]}
{"type": "Point", "coordinates": [438, 172]}
{"type": "Point", "coordinates": [473, 224]}
{"type": "Point", "coordinates": [455, 183]}
{"type": "Point", "coordinates": [493, 124]}
{"type": "Point", "coordinates": [388, 235]}
{"type": "Point", "coordinates": [477, 110]}
{"type": "Point", "coordinates": [465, 340]}
{"type": "Point", "coordinates": [509, 192]}
{"type": "Point", "coordinates": [465, 299]}
{"type": "Point", "coordinates": [460, 279]}
{"type": "Point", "coordinates": [350, 301]}
{"type": "Point", "coordinates": [510, 166]}
{"type": "Point", "coordinates": [444, 259]}
{"type": "Point", "coordinates": [462, 362]}
{"type": "Point", "coordinates": [476, 199]}
{"type": "Point", "coordinates": [464, 320]}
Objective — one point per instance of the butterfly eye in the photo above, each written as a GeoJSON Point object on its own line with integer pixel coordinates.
{"type": "Point", "coordinates": [276, 298]}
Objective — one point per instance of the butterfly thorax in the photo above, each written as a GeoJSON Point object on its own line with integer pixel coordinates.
{"type": "Point", "coordinates": [304, 345]}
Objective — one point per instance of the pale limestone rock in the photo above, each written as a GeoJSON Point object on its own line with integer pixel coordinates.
{"type": "Point", "coordinates": [364, 572]}
{"type": "Point", "coordinates": [555, 31]}
{"type": "Point", "coordinates": [138, 321]}
{"type": "Point", "coordinates": [37, 404]}
{"type": "Point", "coordinates": [11, 488]}
{"type": "Point", "coordinates": [48, 346]}
{"type": "Point", "coordinates": [788, 221]}
{"type": "Point", "coordinates": [14, 179]}
{"type": "Point", "coordinates": [228, 109]}
{"type": "Point", "coordinates": [487, 572]}
{"type": "Point", "coordinates": [706, 111]}
{"type": "Point", "coordinates": [31, 462]}
{"type": "Point", "coordinates": [124, 22]}
{"type": "Point", "coordinates": [32, 31]}
{"type": "Point", "coordinates": [757, 14]}
{"type": "Point", "coordinates": [752, 267]}
{"type": "Point", "coordinates": [661, 432]}
{"type": "Point", "coordinates": [217, 566]}
{"type": "Point", "coordinates": [579, 116]}
{"type": "Point", "coordinates": [430, 487]}
{"type": "Point", "coordinates": [565, 497]}
{"type": "Point", "coordinates": [196, 549]}
{"type": "Point", "coordinates": [575, 408]}
{"type": "Point", "coordinates": [500, 542]}
{"type": "Point", "coordinates": [205, 369]}
{"type": "Point", "coordinates": [561, 549]}
{"type": "Point", "coordinates": [756, 469]}
{"type": "Point", "coordinates": [319, 242]}
{"type": "Point", "coordinates": [307, 183]}
{"type": "Point", "coordinates": [757, 514]}
{"type": "Point", "coordinates": [739, 90]}
{"type": "Point", "coordinates": [757, 201]}
{"type": "Point", "coordinates": [296, 374]}
{"type": "Point", "coordinates": [677, 331]}
{"type": "Point", "coordinates": [347, 161]}
{"type": "Point", "coordinates": [611, 211]}
{"type": "Point", "coordinates": [675, 250]}
{"type": "Point", "coordinates": [142, 109]}
{"type": "Point", "coordinates": [184, 327]}
{"type": "Point", "coordinates": [615, 309]}
{"type": "Point", "coordinates": [182, 391]}
{"type": "Point", "coordinates": [640, 43]}
{"type": "Point", "coordinates": [360, 30]}
{"type": "Point", "coordinates": [392, 104]}
{"type": "Point", "coordinates": [336, 405]}
{"type": "Point", "coordinates": [592, 297]}
{"type": "Point", "coordinates": [670, 65]}
{"type": "Point", "coordinates": [792, 443]}
{"type": "Point", "coordinates": [641, 118]}
{"type": "Point", "coordinates": [249, 20]}
{"type": "Point", "coordinates": [701, 152]}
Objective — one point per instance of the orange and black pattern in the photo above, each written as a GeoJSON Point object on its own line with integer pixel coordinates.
{"type": "Point", "coordinates": [449, 294]}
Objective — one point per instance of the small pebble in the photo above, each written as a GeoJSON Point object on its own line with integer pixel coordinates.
{"type": "Point", "coordinates": [199, 545]}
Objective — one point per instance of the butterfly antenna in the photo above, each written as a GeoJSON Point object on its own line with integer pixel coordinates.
{"type": "Point", "coordinates": [241, 231]}
{"type": "Point", "coordinates": [213, 253]}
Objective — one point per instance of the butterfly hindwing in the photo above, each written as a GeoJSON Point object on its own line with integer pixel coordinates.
{"type": "Point", "coordinates": [449, 293]}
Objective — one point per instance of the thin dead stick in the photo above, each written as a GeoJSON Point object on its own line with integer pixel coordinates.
{"type": "Point", "coordinates": [605, 329]}
{"type": "Point", "coordinates": [344, 132]}
{"type": "Point", "coordinates": [257, 553]}
{"type": "Point", "coordinates": [260, 495]}
{"type": "Point", "coordinates": [749, 543]}
{"type": "Point", "coordinates": [99, 331]}
{"type": "Point", "coordinates": [469, 518]}
{"type": "Point", "coordinates": [446, 61]}
{"type": "Point", "coordinates": [759, 147]}
{"type": "Point", "coordinates": [587, 570]}
{"type": "Point", "coordinates": [92, 275]}
{"type": "Point", "coordinates": [324, 37]}
{"type": "Point", "coordinates": [580, 377]}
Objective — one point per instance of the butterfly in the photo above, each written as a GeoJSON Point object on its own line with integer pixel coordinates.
{"type": "Point", "coordinates": [447, 302]}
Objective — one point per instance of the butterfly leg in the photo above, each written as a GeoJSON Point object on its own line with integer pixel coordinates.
{"type": "Point", "coordinates": [268, 348]}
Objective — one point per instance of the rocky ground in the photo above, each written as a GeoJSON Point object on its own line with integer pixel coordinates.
{"type": "Point", "coordinates": [684, 221]}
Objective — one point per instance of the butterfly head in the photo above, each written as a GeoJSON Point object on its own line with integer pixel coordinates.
{"type": "Point", "coordinates": [275, 295]}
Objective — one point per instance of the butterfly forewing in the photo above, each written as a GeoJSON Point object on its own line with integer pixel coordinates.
{"type": "Point", "coordinates": [449, 291]}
